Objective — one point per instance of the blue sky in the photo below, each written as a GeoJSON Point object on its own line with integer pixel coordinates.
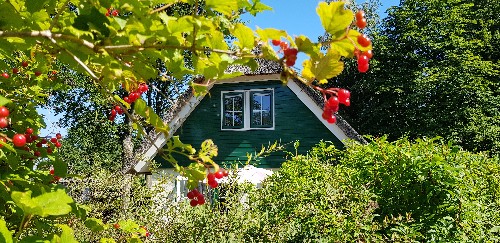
{"type": "Point", "coordinates": [297, 17]}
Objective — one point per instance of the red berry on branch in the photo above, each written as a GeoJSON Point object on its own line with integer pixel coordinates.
{"type": "Point", "coordinates": [29, 131]}
{"type": "Point", "coordinates": [213, 184]}
{"type": "Point", "coordinates": [24, 63]}
{"type": "Point", "coordinates": [53, 140]}
{"type": "Point", "coordinates": [225, 172]}
{"type": "Point", "coordinates": [363, 68]}
{"type": "Point", "coordinates": [116, 226]}
{"type": "Point", "coordinates": [363, 63]}
{"type": "Point", "coordinates": [127, 99]}
{"type": "Point", "coordinates": [5, 75]}
{"type": "Point", "coordinates": [364, 41]}
{"type": "Point", "coordinates": [49, 151]}
{"type": "Point", "coordinates": [38, 73]}
{"type": "Point", "coordinates": [368, 54]}
{"type": "Point", "coordinates": [290, 61]}
{"type": "Point", "coordinates": [333, 103]}
{"type": "Point", "coordinates": [290, 52]}
{"type": "Point", "coordinates": [332, 119]}
{"type": "Point", "coordinates": [143, 88]}
{"type": "Point", "coordinates": [113, 112]}
{"type": "Point", "coordinates": [201, 200]}
{"type": "Point", "coordinates": [4, 112]}
{"type": "Point", "coordinates": [39, 144]}
{"type": "Point", "coordinates": [57, 144]}
{"type": "Point", "coordinates": [111, 118]}
{"type": "Point", "coordinates": [276, 42]}
{"type": "Point", "coordinates": [114, 12]}
{"type": "Point", "coordinates": [133, 96]}
{"type": "Point", "coordinates": [193, 203]}
{"type": "Point", "coordinates": [360, 14]}
{"type": "Point", "coordinates": [219, 174]}
{"type": "Point", "coordinates": [15, 70]}
{"type": "Point", "coordinates": [51, 171]}
{"type": "Point", "coordinates": [190, 195]}
{"type": "Point", "coordinates": [44, 141]}
{"type": "Point", "coordinates": [58, 136]}
{"type": "Point", "coordinates": [343, 95]}
{"type": "Point", "coordinates": [19, 140]}
{"type": "Point", "coordinates": [210, 177]}
{"type": "Point", "coordinates": [284, 45]}
{"type": "Point", "coordinates": [3, 122]}
{"type": "Point", "coordinates": [37, 153]}
{"type": "Point", "coordinates": [361, 23]}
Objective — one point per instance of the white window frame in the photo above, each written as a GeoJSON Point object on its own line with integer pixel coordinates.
{"type": "Point", "coordinates": [246, 109]}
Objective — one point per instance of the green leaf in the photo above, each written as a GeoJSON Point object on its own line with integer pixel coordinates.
{"type": "Point", "coordinates": [334, 17]}
{"type": "Point", "coordinates": [67, 235]}
{"type": "Point", "coordinates": [226, 7]}
{"type": "Point", "coordinates": [95, 225]}
{"type": "Point", "coordinates": [270, 34]}
{"type": "Point", "coordinates": [47, 204]}
{"type": "Point", "coordinates": [107, 240]}
{"type": "Point", "coordinates": [4, 101]}
{"type": "Point", "coordinates": [245, 36]}
{"type": "Point", "coordinates": [5, 234]}
{"type": "Point", "coordinates": [322, 68]}
{"type": "Point", "coordinates": [305, 45]}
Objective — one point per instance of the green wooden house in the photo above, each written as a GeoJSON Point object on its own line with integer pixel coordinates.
{"type": "Point", "coordinates": [242, 114]}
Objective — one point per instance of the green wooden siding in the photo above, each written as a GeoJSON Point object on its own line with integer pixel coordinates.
{"type": "Point", "coordinates": [293, 121]}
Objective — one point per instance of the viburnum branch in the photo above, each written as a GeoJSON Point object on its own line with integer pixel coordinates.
{"type": "Point", "coordinates": [161, 8]}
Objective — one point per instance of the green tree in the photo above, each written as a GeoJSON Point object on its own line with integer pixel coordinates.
{"type": "Point", "coordinates": [435, 73]}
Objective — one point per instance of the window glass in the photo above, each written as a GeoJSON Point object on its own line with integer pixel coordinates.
{"type": "Point", "coordinates": [261, 109]}
{"type": "Point", "coordinates": [233, 116]}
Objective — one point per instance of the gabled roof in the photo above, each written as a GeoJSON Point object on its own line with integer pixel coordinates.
{"type": "Point", "coordinates": [267, 70]}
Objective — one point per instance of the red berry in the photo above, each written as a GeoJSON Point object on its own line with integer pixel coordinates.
{"type": "Point", "coordinates": [5, 75]}
{"type": "Point", "coordinates": [343, 95]}
{"type": "Point", "coordinates": [53, 140]}
{"type": "Point", "coordinates": [133, 96]}
{"type": "Point", "coordinates": [29, 131]}
{"type": "Point", "coordinates": [113, 112]}
{"type": "Point", "coordinates": [332, 119]}
{"type": "Point", "coordinates": [368, 54]}
{"type": "Point", "coordinates": [333, 103]}
{"type": "Point", "coordinates": [38, 73]}
{"type": "Point", "coordinates": [143, 88]}
{"type": "Point", "coordinates": [213, 184]}
{"type": "Point", "coordinates": [190, 195]}
{"type": "Point", "coordinates": [116, 226]}
{"type": "Point", "coordinates": [210, 177]}
{"type": "Point", "coordinates": [290, 52]}
{"type": "Point", "coordinates": [24, 63]}
{"type": "Point", "coordinates": [327, 113]}
{"type": "Point", "coordinates": [127, 99]}
{"type": "Point", "coordinates": [363, 63]}
{"type": "Point", "coordinates": [44, 141]}
{"type": "Point", "coordinates": [193, 203]}
{"type": "Point", "coordinates": [363, 68]}
{"type": "Point", "coordinates": [49, 150]}
{"type": "Point", "coordinates": [39, 144]}
{"type": "Point", "coordinates": [284, 45]}
{"type": "Point", "coordinates": [3, 122]}
{"type": "Point", "coordinates": [37, 153]}
{"type": "Point", "coordinates": [364, 41]}
{"type": "Point", "coordinates": [51, 171]}
{"type": "Point", "coordinates": [201, 200]}
{"type": "Point", "coordinates": [15, 70]}
{"type": "Point", "coordinates": [291, 61]}
{"type": "Point", "coordinates": [4, 112]}
{"type": "Point", "coordinates": [57, 178]}
{"type": "Point", "coordinates": [34, 137]}
{"type": "Point", "coordinates": [225, 172]}
{"type": "Point", "coordinates": [361, 23]}
{"type": "Point", "coordinates": [107, 14]}
{"type": "Point", "coordinates": [111, 118]}
{"type": "Point", "coordinates": [19, 140]}
{"type": "Point", "coordinates": [360, 14]}
{"type": "Point", "coordinates": [58, 144]}
{"type": "Point", "coordinates": [118, 108]}
{"type": "Point", "coordinates": [276, 42]}
{"type": "Point", "coordinates": [114, 12]}
{"type": "Point", "coordinates": [58, 136]}
{"type": "Point", "coordinates": [219, 174]}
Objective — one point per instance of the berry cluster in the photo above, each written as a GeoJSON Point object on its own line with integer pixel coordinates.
{"type": "Point", "coordinates": [196, 198]}
{"type": "Point", "coordinates": [337, 97]}
{"type": "Point", "coordinates": [52, 172]}
{"type": "Point", "coordinates": [364, 41]}
{"type": "Point", "coordinates": [28, 138]}
{"type": "Point", "coordinates": [112, 12]}
{"type": "Point", "coordinates": [16, 70]}
{"type": "Point", "coordinates": [131, 98]}
{"type": "Point", "coordinates": [289, 54]}
{"type": "Point", "coordinates": [221, 173]}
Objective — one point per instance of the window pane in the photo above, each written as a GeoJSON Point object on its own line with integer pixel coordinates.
{"type": "Point", "coordinates": [233, 110]}
{"type": "Point", "coordinates": [267, 120]}
{"type": "Point", "coordinates": [266, 102]}
{"type": "Point", "coordinates": [257, 102]}
{"type": "Point", "coordinates": [256, 119]}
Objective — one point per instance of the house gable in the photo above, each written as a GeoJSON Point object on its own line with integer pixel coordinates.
{"type": "Point", "coordinates": [292, 121]}
{"type": "Point", "coordinates": [297, 117]}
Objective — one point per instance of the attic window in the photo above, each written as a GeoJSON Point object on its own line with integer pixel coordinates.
{"type": "Point", "coordinates": [247, 109]}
